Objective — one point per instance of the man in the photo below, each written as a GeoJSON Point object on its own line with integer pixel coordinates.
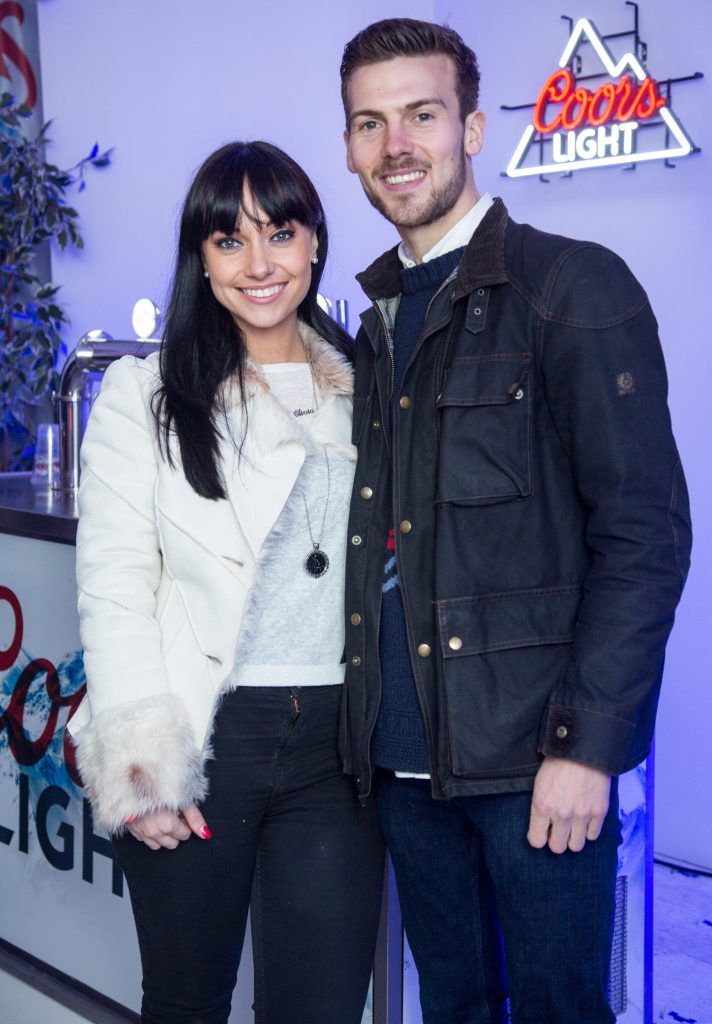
{"type": "Point", "coordinates": [518, 474]}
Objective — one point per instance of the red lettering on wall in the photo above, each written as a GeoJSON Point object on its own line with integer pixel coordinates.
{"type": "Point", "coordinates": [8, 657]}
{"type": "Point", "coordinates": [15, 54]}
{"type": "Point", "coordinates": [576, 105]}
{"type": "Point", "coordinates": [27, 751]}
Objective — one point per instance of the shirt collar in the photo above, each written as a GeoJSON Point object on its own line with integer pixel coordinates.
{"type": "Point", "coordinates": [458, 235]}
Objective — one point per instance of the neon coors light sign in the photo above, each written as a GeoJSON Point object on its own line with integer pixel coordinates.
{"type": "Point", "coordinates": [574, 128]}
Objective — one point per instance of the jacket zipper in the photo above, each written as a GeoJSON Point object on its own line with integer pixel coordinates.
{"type": "Point", "coordinates": [444, 285]}
{"type": "Point", "coordinates": [297, 706]}
{"type": "Point", "coordinates": [387, 334]}
{"type": "Point", "coordinates": [432, 752]}
{"type": "Point", "coordinates": [432, 758]}
{"type": "Point", "coordinates": [428, 730]}
{"type": "Point", "coordinates": [427, 334]}
{"type": "Point", "coordinates": [389, 346]}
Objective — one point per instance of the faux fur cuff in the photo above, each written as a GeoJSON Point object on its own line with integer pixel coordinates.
{"type": "Point", "coordinates": [140, 757]}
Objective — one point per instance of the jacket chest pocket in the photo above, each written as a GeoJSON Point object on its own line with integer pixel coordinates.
{"type": "Point", "coordinates": [485, 430]}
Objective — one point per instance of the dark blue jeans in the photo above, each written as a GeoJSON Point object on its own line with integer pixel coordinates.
{"type": "Point", "coordinates": [468, 882]}
{"type": "Point", "coordinates": [291, 842]}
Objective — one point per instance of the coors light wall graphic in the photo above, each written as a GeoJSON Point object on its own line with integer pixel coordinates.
{"type": "Point", "coordinates": [599, 110]}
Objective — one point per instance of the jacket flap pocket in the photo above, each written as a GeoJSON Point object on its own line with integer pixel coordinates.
{"type": "Point", "coordinates": [495, 379]}
{"type": "Point", "coordinates": [501, 621]}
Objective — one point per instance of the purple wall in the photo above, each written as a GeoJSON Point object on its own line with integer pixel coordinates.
{"type": "Point", "coordinates": [660, 221]}
{"type": "Point", "coordinates": [168, 81]}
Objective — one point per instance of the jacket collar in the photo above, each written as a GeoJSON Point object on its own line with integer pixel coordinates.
{"type": "Point", "coordinates": [482, 262]}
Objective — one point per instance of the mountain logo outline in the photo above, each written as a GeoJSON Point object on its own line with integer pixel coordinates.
{"type": "Point", "coordinates": [592, 155]}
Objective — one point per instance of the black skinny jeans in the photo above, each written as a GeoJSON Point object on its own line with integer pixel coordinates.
{"type": "Point", "coordinates": [291, 842]}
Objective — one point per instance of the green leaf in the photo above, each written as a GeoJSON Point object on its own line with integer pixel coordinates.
{"type": "Point", "coordinates": [33, 207]}
{"type": "Point", "coordinates": [47, 291]}
{"type": "Point", "coordinates": [104, 160]}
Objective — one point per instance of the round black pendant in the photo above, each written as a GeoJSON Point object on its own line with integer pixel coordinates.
{"type": "Point", "coordinates": [316, 563]}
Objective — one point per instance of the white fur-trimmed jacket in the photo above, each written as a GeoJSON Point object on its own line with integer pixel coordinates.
{"type": "Point", "coordinates": [164, 574]}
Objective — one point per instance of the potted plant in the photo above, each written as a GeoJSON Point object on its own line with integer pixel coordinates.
{"type": "Point", "coordinates": [34, 211]}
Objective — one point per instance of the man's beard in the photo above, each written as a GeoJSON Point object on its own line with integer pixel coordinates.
{"type": "Point", "coordinates": [438, 204]}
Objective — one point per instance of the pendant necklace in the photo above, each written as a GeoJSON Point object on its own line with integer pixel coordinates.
{"type": "Point", "coordinates": [316, 562]}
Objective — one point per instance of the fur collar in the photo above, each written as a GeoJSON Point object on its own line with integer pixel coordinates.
{"type": "Point", "coordinates": [333, 373]}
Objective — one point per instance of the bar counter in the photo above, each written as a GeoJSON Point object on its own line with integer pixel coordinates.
{"type": "Point", "coordinates": [41, 514]}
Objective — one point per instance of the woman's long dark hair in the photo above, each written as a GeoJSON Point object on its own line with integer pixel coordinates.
{"type": "Point", "coordinates": [202, 346]}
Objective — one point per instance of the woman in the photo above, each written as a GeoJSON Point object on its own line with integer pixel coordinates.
{"type": "Point", "coordinates": [210, 560]}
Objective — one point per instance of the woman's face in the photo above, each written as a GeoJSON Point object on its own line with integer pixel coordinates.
{"type": "Point", "coordinates": [262, 271]}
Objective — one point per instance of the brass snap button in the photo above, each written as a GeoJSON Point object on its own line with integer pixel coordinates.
{"type": "Point", "coordinates": [424, 650]}
{"type": "Point", "coordinates": [376, 424]}
{"type": "Point", "coordinates": [455, 643]}
{"type": "Point", "coordinates": [562, 732]}
{"type": "Point", "coordinates": [356, 540]}
{"type": "Point", "coordinates": [404, 402]}
{"type": "Point", "coordinates": [355, 619]}
{"type": "Point", "coordinates": [356, 660]}
{"type": "Point", "coordinates": [366, 493]}
{"type": "Point", "coordinates": [406, 526]}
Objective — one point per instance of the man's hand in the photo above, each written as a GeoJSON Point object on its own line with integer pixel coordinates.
{"type": "Point", "coordinates": [569, 804]}
{"type": "Point", "coordinates": [166, 828]}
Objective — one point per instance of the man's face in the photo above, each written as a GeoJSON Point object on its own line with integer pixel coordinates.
{"type": "Point", "coordinates": [406, 140]}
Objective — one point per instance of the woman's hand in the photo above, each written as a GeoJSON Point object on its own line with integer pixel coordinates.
{"type": "Point", "coordinates": [166, 828]}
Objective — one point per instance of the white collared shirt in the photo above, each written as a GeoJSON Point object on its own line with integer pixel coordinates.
{"type": "Point", "coordinates": [458, 235]}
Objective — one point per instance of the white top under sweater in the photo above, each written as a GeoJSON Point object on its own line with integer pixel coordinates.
{"type": "Point", "coordinates": [292, 631]}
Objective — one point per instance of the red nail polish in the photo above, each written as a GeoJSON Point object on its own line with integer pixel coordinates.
{"type": "Point", "coordinates": [206, 833]}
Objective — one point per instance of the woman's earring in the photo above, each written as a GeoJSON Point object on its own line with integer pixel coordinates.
{"type": "Point", "coordinates": [315, 259]}
{"type": "Point", "coordinates": [206, 274]}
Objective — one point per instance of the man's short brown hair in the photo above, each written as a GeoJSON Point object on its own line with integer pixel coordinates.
{"type": "Point", "coordinates": [406, 37]}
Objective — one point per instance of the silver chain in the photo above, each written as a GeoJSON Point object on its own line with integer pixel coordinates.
{"type": "Point", "coordinates": [315, 544]}
{"type": "Point", "coordinates": [313, 382]}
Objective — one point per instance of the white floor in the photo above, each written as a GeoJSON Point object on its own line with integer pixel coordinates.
{"type": "Point", "coordinates": [683, 960]}
{"type": "Point", "coordinates": [22, 1004]}
{"type": "Point", "coordinates": [683, 947]}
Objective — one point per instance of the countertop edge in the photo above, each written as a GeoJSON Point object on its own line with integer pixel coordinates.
{"type": "Point", "coordinates": [36, 526]}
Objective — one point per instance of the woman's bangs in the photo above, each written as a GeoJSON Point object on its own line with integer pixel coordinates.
{"type": "Point", "coordinates": [223, 208]}
{"type": "Point", "coordinates": [277, 192]}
